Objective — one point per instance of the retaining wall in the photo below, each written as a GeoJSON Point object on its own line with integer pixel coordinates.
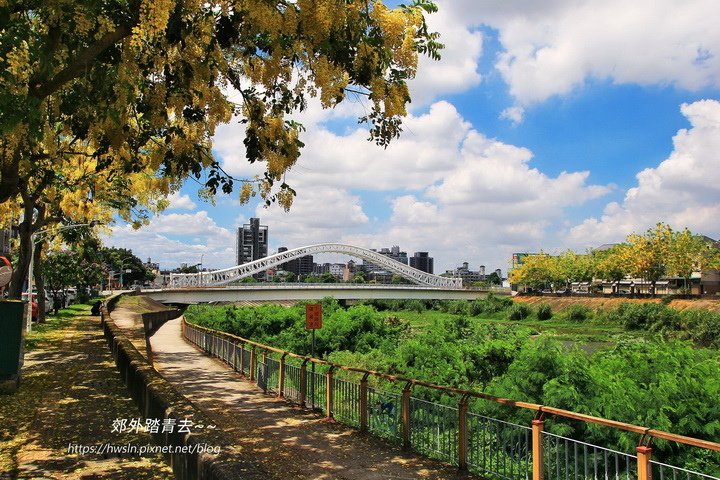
{"type": "Point", "coordinates": [156, 398]}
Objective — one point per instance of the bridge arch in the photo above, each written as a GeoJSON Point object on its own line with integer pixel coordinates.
{"type": "Point", "coordinates": [229, 275]}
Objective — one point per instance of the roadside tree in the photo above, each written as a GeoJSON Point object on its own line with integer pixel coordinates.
{"type": "Point", "coordinates": [132, 94]}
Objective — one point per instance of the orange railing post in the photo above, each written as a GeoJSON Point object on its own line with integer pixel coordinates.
{"type": "Point", "coordinates": [253, 363]}
{"type": "Point", "coordinates": [264, 360]}
{"type": "Point", "coordinates": [644, 453]}
{"type": "Point", "coordinates": [242, 358]}
{"type": "Point", "coordinates": [364, 403]}
{"type": "Point", "coordinates": [405, 408]}
{"type": "Point", "coordinates": [303, 383]}
{"type": "Point", "coordinates": [329, 393]}
{"type": "Point", "coordinates": [462, 433]}
{"type": "Point", "coordinates": [281, 376]}
{"type": "Point", "coordinates": [537, 450]}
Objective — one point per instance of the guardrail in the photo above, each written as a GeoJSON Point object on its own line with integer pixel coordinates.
{"type": "Point", "coordinates": [491, 447]}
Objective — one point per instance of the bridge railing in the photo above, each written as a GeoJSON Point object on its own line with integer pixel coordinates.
{"type": "Point", "coordinates": [491, 447]}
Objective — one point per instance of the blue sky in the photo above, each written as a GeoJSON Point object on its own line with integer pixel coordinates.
{"type": "Point", "coordinates": [546, 125]}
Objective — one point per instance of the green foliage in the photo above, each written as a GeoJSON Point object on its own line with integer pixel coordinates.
{"type": "Point", "coordinates": [519, 311]}
{"type": "Point", "coordinates": [544, 312]}
{"type": "Point", "coordinates": [670, 386]}
{"type": "Point", "coordinates": [458, 307]}
{"type": "Point", "coordinates": [489, 305]}
{"type": "Point", "coordinates": [578, 313]}
{"type": "Point", "coordinates": [647, 316]}
{"type": "Point", "coordinates": [700, 326]}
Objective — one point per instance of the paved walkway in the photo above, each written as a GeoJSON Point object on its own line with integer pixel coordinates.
{"type": "Point", "coordinates": [69, 396]}
{"type": "Point", "coordinates": [288, 441]}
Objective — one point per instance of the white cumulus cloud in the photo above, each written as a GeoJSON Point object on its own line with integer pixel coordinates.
{"type": "Point", "coordinates": [683, 190]}
{"type": "Point", "coordinates": [554, 47]}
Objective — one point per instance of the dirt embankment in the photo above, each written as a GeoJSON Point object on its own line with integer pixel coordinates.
{"type": "Point", "coordinates": [559, 304]}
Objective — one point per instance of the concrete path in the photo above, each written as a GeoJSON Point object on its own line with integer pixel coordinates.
{"type": "Point", "coordinates": [288, 441]}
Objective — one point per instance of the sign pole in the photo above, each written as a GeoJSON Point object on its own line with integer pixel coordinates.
{"type": "Point", "coordinates": [312, 382]}
{"type": "Point", "coordinates": [313, 321]}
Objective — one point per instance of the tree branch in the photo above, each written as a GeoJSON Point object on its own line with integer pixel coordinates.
{"type": "Point", "coordinates": [42, 89]}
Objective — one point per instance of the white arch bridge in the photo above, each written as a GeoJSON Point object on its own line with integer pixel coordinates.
{"type": "Point", "coordinates": [233, 274]}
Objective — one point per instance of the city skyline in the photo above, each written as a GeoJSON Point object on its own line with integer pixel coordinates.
{"type": "Point", "coordinates": [537, 130]}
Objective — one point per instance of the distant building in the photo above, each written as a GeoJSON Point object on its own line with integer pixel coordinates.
{"type": "Point", "coordinates": [393, 253]}
{"type": "Point", "coordinates": [349, 271]}
{"type": "Point", "coordinates": [337, 270]}
{"type": "Point", "coordinates": [320, 268]}
{"type": "Point", "coordinates": [298, 266]}
{"type": "Point", "coordinates": [252, 242]}
{"type": "Point", "coordinates": [422, 261]}
{"type": "Point", "coordinates": [519, 258]}
{"type": "Point", "coordinates": [467, 275]}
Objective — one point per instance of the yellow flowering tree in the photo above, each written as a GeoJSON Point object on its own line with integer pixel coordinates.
{"type": "Point", "coordinates": [538, 271]}
{"type": "Point", "coordinates": [130, 93]}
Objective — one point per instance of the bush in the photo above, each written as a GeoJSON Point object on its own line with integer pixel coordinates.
{"type": "Point", "coordinates": [650, 316]}
{"type": "Point", "coordinates": [458, 307]}
{"type": "Point", "coordinates": [544, 312]}
{"type": "Point", "coordinates": [519, 311]}
{"type": "Point", "coordinates": [415, 306]}
{"type": "Point", "coordinates": [490, 304]}
{"type": "Point", "coordinates": [701, 326]}
{"type": "Point", "coordinates": [578, 313]}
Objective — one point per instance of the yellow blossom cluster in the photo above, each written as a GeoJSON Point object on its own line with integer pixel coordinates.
{"type": "Point", "coordinates": [17, 63]}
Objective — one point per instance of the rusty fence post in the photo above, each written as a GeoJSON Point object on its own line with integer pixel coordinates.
{"type": "Point", "coordinates": [364, 403]}
{"type": "Point", "coordinates": [462, 432]}
{"type": "Point", "coordinates": [303, 382]}
{"type": "Point", "coordinates": [266, 371]}
{"type": "Point", "coordinates": [644, 454]}
{"type": "Point", "coordinates": [329, 394]}
{"type": "Point", "coordinates": [281, 376]}
{"type": "Point", "coordinates": [537, 450]}
{"type": "Point", "coordinates": [242, 358]}
{"type": "Point", "coordinates": [253, 363]}
{"type": "Point", "coordinates": [405, 409]}
{"type": "Point", "coordinates": [234, 355]}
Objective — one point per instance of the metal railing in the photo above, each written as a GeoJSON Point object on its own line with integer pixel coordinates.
{"type": "Point", "coordinates": [499, 449]}
{"type": "Point", "coordinates": [494, 448]}
{"type": "Point", "coordinates": [567, 459]}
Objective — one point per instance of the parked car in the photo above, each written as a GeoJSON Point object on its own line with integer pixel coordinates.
{"type": "Point", "coordinates": [70, 296]}
{"type": "Point", "coordinates": [48, 304]}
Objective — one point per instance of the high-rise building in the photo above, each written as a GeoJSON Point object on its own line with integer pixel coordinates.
{"type": "Point", "coordinates": [422, 261]}
{"type": "Point", "coordinates": [393, 253]}
{"type": "Point", "coordinates": [298, 266]}
{"type": "Point", "coordinates": [252, 241]}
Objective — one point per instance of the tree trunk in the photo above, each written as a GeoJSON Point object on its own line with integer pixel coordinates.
{"type": "Point", "coordinates": [20, 269]}
{"type": "Point", "coordinates": [39, 282]}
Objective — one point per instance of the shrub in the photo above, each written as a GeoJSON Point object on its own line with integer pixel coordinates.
{"type": "Point", "coordinates": [702, 327]}
{"type": "Point", "coordinates": [458, 307]}
{"type": "Point", "coordinates": [651, 316]}
{"type": "Point", "coordinates": [490, 304]}
{"type": "Point", "coordinates": [544, 312]}
{"type": "Point", "coordinates": [519, 311]}
{"type": "Point", "coordinates": [415, 306]}
{"type": "Point", "coordinates": [578, 313]}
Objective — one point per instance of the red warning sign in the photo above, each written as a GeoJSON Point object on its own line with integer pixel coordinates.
{"type": "Point", "coordinates": [313, 316]}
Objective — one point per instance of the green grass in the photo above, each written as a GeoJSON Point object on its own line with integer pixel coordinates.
{"type": "Point", "coordinates": [558, 326]}
{"type": "Point", "coordinates": [42, 332]}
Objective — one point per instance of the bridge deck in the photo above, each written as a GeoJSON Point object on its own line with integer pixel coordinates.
{"type": "Point", "coordinates": [287, 440]}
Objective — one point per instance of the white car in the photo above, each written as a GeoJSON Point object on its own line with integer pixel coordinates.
{"type": "Point", "coordinates": [70, 296]}
{"type": "Point", "coordinates": [48, 300]}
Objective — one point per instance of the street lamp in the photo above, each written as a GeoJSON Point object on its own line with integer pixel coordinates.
{"type": "Point", "coordinates": [123, 264]}
{"type": "Point", "coordinates": [200, 278]}
{"type": "Point", "coordinates": [33, 241]}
